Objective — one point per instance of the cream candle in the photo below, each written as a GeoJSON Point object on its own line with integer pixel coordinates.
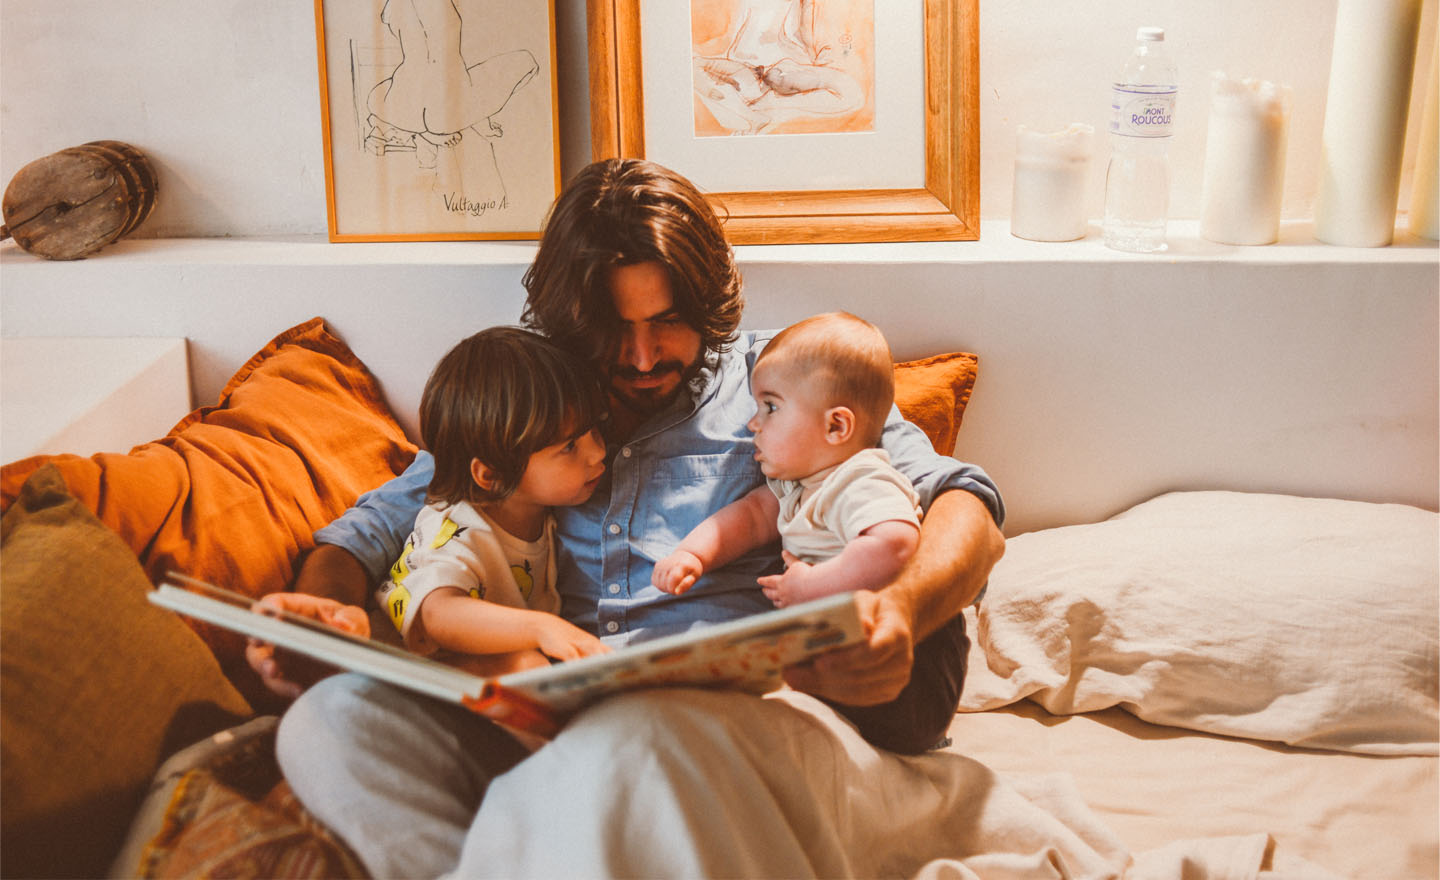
{"type": "Point", "coordinates": [1051, 181]}
{"type": "Point", "coordinates": [1244, 161]}
{"type": "Point", "coordinates": [1363, 138]}
{"type": "Point", "coordinates": [1424, 212]}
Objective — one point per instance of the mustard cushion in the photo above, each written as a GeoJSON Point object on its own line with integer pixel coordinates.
{"type": "Point", "coordinates": [97, 686]}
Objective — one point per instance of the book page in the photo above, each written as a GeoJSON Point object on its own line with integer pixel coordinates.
{"type": "Point", "coordinates": [745, 654]}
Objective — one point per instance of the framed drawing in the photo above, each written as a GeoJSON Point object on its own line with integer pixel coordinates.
{"type": "Point", "coordinates": [806, 120]}
{"type": "Point", "coordinates": [439, 118]}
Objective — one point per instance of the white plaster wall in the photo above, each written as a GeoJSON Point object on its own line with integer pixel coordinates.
{"type": "Point", "coordinates": [223, 94]}
{"type": "Point", "coordinates": [1104, 380]}
{"type": "Point", "coordinates": [1105, 377]}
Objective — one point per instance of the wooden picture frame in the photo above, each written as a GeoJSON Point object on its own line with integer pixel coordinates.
{"type": "Point", "coordinates": [944, 208]}
{"type": "Point", "coordinates": [463, 147]}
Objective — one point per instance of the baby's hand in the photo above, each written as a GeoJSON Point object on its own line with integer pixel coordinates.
{"type": "Point", "coordinates": [563, 640]}
{"type": "Point", "coordinates": [794, 586]}
{"type": "Point", "coordinates": [677, 572]}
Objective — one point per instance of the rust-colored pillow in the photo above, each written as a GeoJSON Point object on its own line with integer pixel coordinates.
{"type": "Point", "coordinates": [933, 393]}
{"type": "Point", "coordinates": [234, 492]}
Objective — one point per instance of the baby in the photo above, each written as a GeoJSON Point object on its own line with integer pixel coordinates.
{"type": "Point", "coordinates": [846, 519]}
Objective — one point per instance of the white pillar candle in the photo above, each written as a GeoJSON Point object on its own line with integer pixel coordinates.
{"type": "Point", "coordinates": [1424, 210]}
{"type": "Point", "coordinates": [1051, 182]}
{"type": "Point", "coordinates": [1244, 161]}
{"type": "Point", "coordinates": [1363, 139]}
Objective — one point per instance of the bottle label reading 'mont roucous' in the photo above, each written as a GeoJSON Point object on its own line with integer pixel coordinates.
{"type": "Point", "coordinates": [1142, 111]}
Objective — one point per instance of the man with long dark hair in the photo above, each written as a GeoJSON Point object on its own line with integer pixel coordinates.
{"type": "Point", "coordinates": [633, 272]}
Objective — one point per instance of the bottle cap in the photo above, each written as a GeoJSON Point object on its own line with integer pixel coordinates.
{"type": "Point", "coordinates": [1151, 33]}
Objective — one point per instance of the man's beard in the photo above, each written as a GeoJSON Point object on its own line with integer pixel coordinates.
{"type": "Point", "coordinates": [648, 401]}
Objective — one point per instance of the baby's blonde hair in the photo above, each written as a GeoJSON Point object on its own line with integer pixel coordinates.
{"type": "Point", "coordinates": [848, 362]}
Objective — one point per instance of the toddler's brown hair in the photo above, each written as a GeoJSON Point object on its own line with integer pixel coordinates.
{"type": "Point", "coordinates": [500, 396]}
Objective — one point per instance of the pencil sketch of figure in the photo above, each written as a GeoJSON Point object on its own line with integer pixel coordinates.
{"type": "Point", "coordinates": [433, 99]}
{"type": "Point", "coordinates": [776, 72]}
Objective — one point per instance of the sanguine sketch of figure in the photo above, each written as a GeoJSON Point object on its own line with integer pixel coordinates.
{"type": "Point", "coordinates": [776, 68]}
{"type": "Point", "coordinates": [433, 99]}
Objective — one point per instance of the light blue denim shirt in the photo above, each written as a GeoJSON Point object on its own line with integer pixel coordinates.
{"type": "Point", "coordinates": [681, 465]}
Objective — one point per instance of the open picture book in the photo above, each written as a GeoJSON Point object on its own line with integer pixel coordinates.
{"type": "Point", "coordinates": [745, 654]}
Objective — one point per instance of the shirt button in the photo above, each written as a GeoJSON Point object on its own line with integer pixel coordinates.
{"type": "Point", "coordinates": [612, 626]}
{"type": "Point", "coordinates": [626, 452]}
{"type": "Point", "coordinates": [614, 588]}
{"type": "Point", "coordinates": [614, 529]}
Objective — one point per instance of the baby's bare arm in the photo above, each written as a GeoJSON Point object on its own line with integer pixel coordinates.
{"type": "Point", "coordinates": [869, 562]}
{"type": "Point", "coordinates": [721, 537]}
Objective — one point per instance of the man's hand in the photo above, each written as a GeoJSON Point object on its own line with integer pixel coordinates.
{"type": "Point", "coordinates": [871, 672]}
{"type": "Point", "coordinates": [677, 572]}
{"type": "Point", "coordinates": [286, 673]}
{"type": "Point", "coordinates": [959, 545]}
{"type": "Point", "coordinates": [328, 573]}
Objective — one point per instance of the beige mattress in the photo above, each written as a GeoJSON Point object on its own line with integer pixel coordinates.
{"type": "Point", "coordinates": [1357, 816]}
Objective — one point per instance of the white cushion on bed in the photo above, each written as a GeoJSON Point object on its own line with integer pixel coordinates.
{"type": "Point", "coordinates": [1312, 622]}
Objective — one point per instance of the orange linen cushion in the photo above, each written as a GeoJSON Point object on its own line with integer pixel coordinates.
{"type": "Point", "coordinates": [234, 492]}
{"type": "Point", "coordinates": [933, 393]}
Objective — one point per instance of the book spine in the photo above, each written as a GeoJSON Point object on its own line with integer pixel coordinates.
{"type": "Point", "coordinates": [513, 709]}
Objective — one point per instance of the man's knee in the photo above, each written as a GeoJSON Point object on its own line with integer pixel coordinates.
{"type": "Point", "coordinates": [323, 719]}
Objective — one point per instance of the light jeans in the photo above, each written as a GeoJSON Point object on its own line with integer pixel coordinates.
{"type": "Point", "coordinates": [399, 777]}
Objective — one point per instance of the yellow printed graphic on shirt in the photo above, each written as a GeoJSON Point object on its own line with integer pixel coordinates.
{"type": "Point", "coordinates": [448, 530]}
{"type": "Point", "coordinates": [524, 579]}
{"type": "Point", "coordinates": [396, 600]}
{"type": "Point", "coordinates": [401, 569]}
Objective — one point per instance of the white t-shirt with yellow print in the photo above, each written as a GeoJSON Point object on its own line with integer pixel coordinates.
{"type": "Point", "coordinates": [457, 546]}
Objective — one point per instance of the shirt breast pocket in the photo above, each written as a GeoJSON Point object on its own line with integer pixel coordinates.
{"type": "Point", "coordinates": [680, 491]}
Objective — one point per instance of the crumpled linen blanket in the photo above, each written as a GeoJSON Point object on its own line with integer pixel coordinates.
{"type": "Point", "coordinates": [800, 794]}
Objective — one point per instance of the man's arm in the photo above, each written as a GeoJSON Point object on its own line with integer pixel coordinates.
{"type": "Point", "coordinates": [959, 545]}
{"type": "Point", "coordinates": [333, 572]}
{"type": "Point", "coordinates": [350, 555]}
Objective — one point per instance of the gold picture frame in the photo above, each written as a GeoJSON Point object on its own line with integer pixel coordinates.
{"type": "Point", "coordinates": [945, 208]}
{"type": "Point", "coordinates": [459, 143]}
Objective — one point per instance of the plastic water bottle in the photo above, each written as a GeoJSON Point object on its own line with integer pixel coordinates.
{"type": "Point", "coordinates": [1137, 182]}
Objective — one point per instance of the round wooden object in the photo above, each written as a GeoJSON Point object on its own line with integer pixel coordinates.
{"type": "Point", "coordinates": [140, 177]}
{"type": "Point", "coordinates": [73, 203]}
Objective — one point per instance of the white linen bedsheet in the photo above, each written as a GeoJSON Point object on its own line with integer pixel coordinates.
{"type": "Point", "coordinates": [803, 796]}
{"type": "Point", "coordinates": [1361, 817]}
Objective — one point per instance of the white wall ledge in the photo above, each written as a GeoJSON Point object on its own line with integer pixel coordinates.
{"type": "Point", "coordinates": [1105, 378]}
{"type": "Point", "coordinates": [1297, 244]}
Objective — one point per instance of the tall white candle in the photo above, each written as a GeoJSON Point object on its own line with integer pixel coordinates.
{"type": "Point", "coordinates": [1051, 182]}
{"type": "Point", "coordinates": [1363, 139]}
{"type": "Point", "coordinates": [1425, 192]}
{"type": "Point", "coordinates": [1244, 161]}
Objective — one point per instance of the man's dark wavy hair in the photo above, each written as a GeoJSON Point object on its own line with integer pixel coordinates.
{"type": "Point", "coordinates": [619, 212]}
